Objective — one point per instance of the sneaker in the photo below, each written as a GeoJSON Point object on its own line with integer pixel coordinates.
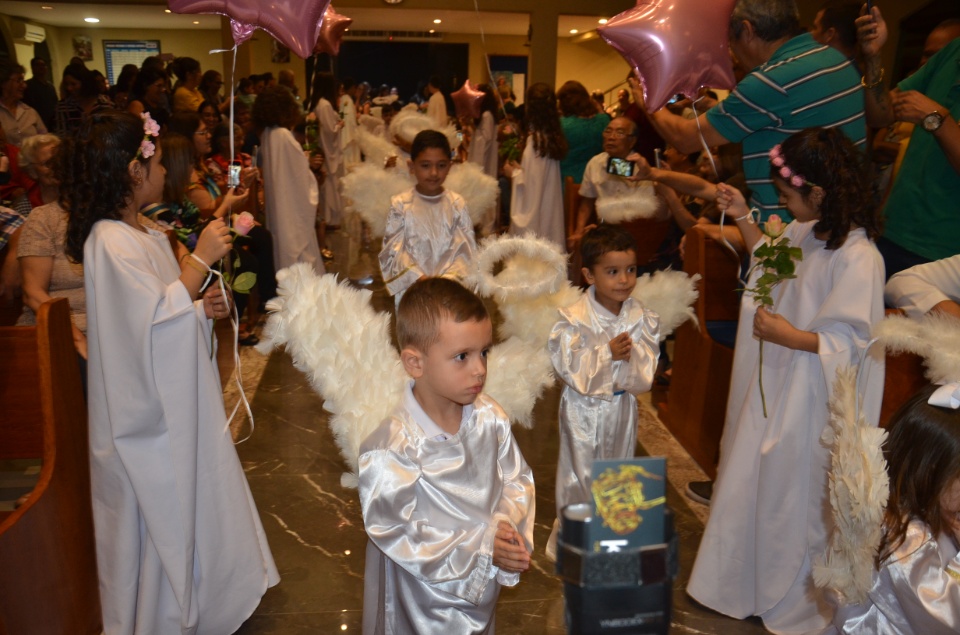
{"type": "Point", "coordinates": [700, 491]}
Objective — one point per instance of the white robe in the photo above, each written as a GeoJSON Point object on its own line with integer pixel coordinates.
{"type": "Point", "coordinates": [769, 512]}
{"type": "Point", "coordinates": [349, 136]}
{"type": "Point", "coordinates": [916, 592]}
{"type": "Point", "coordinates": [431, 509]}
{"type": "Point", "coordinates": [426, 236]}
{"type": "Point", "coordinates": [536, 205]}
{"type": "Point", "coordinates": [598, 407]}
{"type": "Point", "coordinates": [437, 110]}
{"type": "Point", "coordinates": [329, 122]}
{"type": "Point", "coordinates": [918, 289]}
{"type": "Point", "coordinates": [180, 547]}
{"type": "Point", "coordinates": [483, 152]}
{"type": "Point", "coordinates": [291, 195]}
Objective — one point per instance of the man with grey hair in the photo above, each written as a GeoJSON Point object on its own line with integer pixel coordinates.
{"type": "Point", "coordinates": [795, 83]}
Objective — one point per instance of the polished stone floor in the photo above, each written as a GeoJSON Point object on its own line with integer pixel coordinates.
{"type": "Point", "coordinates": [315, 527]}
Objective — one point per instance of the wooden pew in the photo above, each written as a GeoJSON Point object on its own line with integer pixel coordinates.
{"type": "Point", "coordinates": [697, 399]}
{"type": "Point", "coordinates": [903, 379]}
{"type": "Point", "coordinates": [48, 569]}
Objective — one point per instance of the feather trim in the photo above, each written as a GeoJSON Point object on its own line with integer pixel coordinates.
{"type": "Point", "coordinates": [859, 488]}
{"type": "Point", "coordinates": [934, 337]}
{"type": "Point", "coordinates": [375, 148]}
{"type": "Point", "coordinates": [477, 189]}
{"type": "Point", "coordinates": [639, 202]}
{"type": "Point", "coordinates": [670, 294]}
{"type": "Point", "coordinates": [532, 319]}
{"type": "Point", "coordinates": [539, 267]}
{"type": "Point", "coordinates": [368, 189]}
{"type": "Point", "coordinates": [516, 390]}
{"type": "Point", "coordinates": [407, 124]}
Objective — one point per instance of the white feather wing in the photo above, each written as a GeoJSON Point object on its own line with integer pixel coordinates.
{"type": "Point", "coordinates": [368, 189]}
{"type": "Point", "coordinates": [477, 189]}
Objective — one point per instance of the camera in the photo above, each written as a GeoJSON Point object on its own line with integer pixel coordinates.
{"type": "Point", "coordinates": [620, 167]}
{"type": "Point", "coordinates": [233, 176]}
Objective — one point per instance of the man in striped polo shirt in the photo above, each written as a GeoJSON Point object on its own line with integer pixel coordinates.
{"type": "Point", "coordinates": [796, 83]}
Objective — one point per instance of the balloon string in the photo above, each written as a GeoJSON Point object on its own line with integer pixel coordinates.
{"type": "Point", "coordinates": [716, 172]}
{"type": "Point", "coordinates": [486, 56]}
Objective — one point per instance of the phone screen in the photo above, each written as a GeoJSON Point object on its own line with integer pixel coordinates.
{"type": "Point", "coordinates": [620, 167]}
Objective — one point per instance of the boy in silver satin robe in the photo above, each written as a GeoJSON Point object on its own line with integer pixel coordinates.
{"type": "Point", "coordinates": [605, 348]}
{"type": "Point", "coordinates": [447, 497]}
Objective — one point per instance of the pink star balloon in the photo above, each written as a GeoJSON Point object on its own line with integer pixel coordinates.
{"type": "Point", "coordinates": [676, 46]}
{"type": "Point", "coordinates": [295, 23]}
{"type": "Point", "coordinates": [468, 101]}
{"type": "Point", "coordinates": [332, 27]}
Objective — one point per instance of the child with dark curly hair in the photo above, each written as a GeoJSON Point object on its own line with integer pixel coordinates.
{"type": "Point", "coordinates": [768, 514]}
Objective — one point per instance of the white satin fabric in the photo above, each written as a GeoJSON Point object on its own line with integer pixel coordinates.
{"type": "Point", "coordinates": [770, 510]}
{"type": "Point", "coordinates": [916, 592]}
{"type": "Point", "coordinates": [431, 510]}
{"type": "Point", "coordinates": [180, 547]}
{"type": "Point", "coordinates": [596, 423]}
{"type": "Point", "coordinates": [426, 236]}
{"type": "Point", "coordinates": [536, 204]}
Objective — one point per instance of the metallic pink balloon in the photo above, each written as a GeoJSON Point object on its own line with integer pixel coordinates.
{"type": "Point", "coordinates": [332, 27]}
{"type": "Point", "coordinates": [468, 101]}
{"type": "Point", "coordinates": [676, 46]}
{"type": "Point", "coordinates": [295, 23]}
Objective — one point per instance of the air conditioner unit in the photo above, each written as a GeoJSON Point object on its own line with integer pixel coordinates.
{"type": "Point", "coordinates": [26, 33]}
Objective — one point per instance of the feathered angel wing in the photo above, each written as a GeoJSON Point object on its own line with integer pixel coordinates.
{"type": "Point", "coordinates": [343, 346]}
{"type": "Point", "coordinates": [671, 295]}
{"type": "Point", "coordinates": [478, 190]}
{"type": "Point", "coordinates": [859, 488]}
{"type": "Point", "coordinates": [375, 148]}
{"type": "Point", "coordinates": [368, 189]}
{"type": "Point", "coordinates": [934, 337]}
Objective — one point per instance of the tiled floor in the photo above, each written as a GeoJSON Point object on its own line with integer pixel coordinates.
{"type": "Point", "coordinates": [316, 530]}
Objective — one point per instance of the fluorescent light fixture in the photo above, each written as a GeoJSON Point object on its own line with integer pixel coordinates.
{"type": "Point", "coordinates": [46, 7]}
{"type": "Point", "coordinates": [91, 20]}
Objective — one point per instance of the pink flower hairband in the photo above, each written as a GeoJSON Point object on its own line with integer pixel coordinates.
{"type": "Point", "coordinates": [151, 130]}
{"type": "Point", "coordinates": [793, 178]}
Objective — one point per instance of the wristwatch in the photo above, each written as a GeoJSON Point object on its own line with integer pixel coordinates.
{"type": "Point", "coordinates": [932, 122]}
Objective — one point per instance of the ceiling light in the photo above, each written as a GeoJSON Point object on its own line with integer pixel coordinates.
{"type": "Point", "coordinates": [573, 31]}
{"type": "Point", "coordinates": [91, 20]}
{"type": "Point", "coordinates": [46, 7]}
{"type": "Point", "coordinates": [167, 11]}
{"type": "Point", "coordinates": [196, 21]}
{"type": "Point", "coordinates": [602, 20]}
{"type": "Point", "coordinates": [437, 21]}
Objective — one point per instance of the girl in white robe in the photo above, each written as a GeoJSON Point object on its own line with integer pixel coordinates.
{"type": "Point", "coordinates": [349, 136]}
{"type": "Point", "coordinates": [180, 547]}
{"type": "Point", "coordinates": [325, 89]}
{"type": "Point", "coordinates": [536, 204]}
{"type": "Point", "coordinates": [290, 188]}
{"type": "Point", "coordinates": [769, 512]}
{"type": "Point", "coordinates": [916, 589]}
{"type": "Point", "coordinates": [483, 150]}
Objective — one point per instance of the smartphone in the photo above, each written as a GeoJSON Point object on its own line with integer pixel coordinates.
{"type": "Point", "coordinates": [620, 167]}
{"type": "Point", "coordinates": [233, 175]}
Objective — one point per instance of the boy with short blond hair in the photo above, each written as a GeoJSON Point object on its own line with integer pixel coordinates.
{"type": "Point", "coordinates": [447, 497]}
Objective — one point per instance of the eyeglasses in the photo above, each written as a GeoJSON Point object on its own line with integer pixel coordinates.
{"type": "Point", "coordinates": [616, 132]}
{"type": "Point", "coordinates": [205, 133]}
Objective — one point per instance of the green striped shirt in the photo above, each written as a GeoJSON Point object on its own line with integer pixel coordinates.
{"type": "Point", "coordinates": [803, 85]}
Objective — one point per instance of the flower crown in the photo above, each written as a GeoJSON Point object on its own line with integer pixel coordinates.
{"type": "Point", "coordinates": [151, 130]}
{"type": "Point", "coordinates": [793, 178]}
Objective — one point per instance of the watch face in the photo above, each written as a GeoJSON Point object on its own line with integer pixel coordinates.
{"type": "Point", "coordinates": [932, 121]}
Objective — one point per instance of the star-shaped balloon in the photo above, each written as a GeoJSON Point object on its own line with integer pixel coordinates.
{"type": "Point", "coordinates": [332, 27]}
{"type": "Point", "coordinates": [468, 101]}
{"type": "Point", "coordinates": [295, 23]}
{"type": "Point", "coordinates": [676, 46]}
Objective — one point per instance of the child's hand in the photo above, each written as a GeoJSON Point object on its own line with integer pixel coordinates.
{"type": "Point", "coordinates": [620, 347]}
{"type": "Point", "coordinates": [730, 200]}
{"type": "Point", "coordinates": [215, 304]}
{"type": "Point", "coordinates": [772, 327]}
{"type": "Point", "coordinates": [509, 553]}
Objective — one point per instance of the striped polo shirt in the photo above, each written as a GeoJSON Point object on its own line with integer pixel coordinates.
{"type": "Point", "coordinates": [803, 85]}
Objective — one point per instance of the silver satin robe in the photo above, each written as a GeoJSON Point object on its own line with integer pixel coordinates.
{"type": "Point", "coordinates": [598, 410]}
{"type": "Point", "coordinates": [426, 236]}
{"type": "Point", "coordinates": [917, 592]}
{"type": "Point", "coordinates": [431, 510]}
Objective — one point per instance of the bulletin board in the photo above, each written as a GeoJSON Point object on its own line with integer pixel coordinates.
{"type": "Point", "coordinates": [116, 53]}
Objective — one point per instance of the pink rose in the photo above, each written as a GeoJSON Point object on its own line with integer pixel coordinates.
{"type": "Point", "coordinates": [796, 180]}
{"type": "Point", "coordinates": [785, 172]}
{"type": "Point", "coordinates": [774, 226]}
{"type": "Point", "coordinates": [777, 161]}
{"type": "Point", "coordinates": [243, 223]}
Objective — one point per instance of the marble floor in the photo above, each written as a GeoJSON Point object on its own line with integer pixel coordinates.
{"type": "Point", "coordinates": [315, 527]}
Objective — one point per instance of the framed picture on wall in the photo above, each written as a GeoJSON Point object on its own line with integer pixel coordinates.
{"type": "Point", "coordinates": [279, 54]}
{"type": "Point", "coordinates": [83, 47]}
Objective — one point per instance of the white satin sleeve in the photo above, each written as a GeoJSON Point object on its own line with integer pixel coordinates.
{"type": "Point", "coordinates": [581, 362]}
{"type": "Point", "coordinates": [635, 375]}
{"type": "Point", "coordinates": [918, 289]}
{"type": "Point", "coordinates": [463, 245]}
{"type": "Point", "coordinates": [400, 269]}
{"type": "Point", "coordinates": [517, 503]}
{"type": "Point", "coordinates": [926, 587]}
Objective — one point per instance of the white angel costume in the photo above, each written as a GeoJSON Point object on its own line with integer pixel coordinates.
{"type": "Point", "coordinates": [536, 205]}
{"type": "Point", "coordinates": [431, 506]}
{"type": "Point", "coordinates": [349, 140]}
{"type": "Point", "coordinates": [483, 152]}
{"type": "Point", "coordinates": [617, 199]}
{"type": "Point", "coordinates": [916, 591]}
{"type": "Point", "coordinates": [426, 236]}
{"type": "Point", "coordinates": [291, 195]}
{"type": "Point", "coordinates": [329, 125]}
{"type": "Point", "coordinates": [598, 407]}
{"type": "Point", "coordinates": [769, 511]}
{"type": "Point", "coordinates": [180, 547]}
